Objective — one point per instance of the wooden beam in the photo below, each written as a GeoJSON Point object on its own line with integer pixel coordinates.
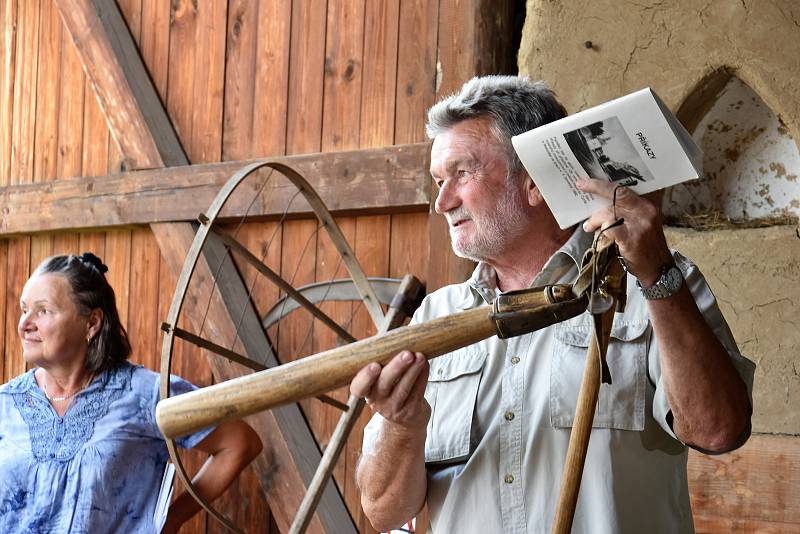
{"type": "Point", "coordinates": [139, 122]}
{"type": "Point", "coordinates": [470, 44]}
{"type": "Point", "coordinates": [359, 181]}
{"type": "Point", "coordinates": [136, 118]}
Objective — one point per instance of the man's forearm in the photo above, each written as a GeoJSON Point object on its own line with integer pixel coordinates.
{"type": "Point", "coordinates": [392, 476]}
{"type": "Point", "coordinates": [708, 399]}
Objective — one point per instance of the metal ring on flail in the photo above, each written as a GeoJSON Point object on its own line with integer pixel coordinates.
{"type": "Point", "coordinates": [303, 297]}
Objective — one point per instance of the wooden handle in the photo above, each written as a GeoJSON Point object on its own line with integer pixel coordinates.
{"type": "Point", "coordinates": [316, 374]}
{"type": "Point", "coordinates": [291, 382]}
{"type": "Point", "coordinates": [587, 401]}
{"type": "Point", "coordinates": [579, 437]}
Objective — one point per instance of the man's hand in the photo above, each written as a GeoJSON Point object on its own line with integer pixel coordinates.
{"type": "Point", "coordinates": [397, 390]}
{"type": "Point", "coordinates": [392, 474]}
{"type": "Point", "coordinates": [640, 238]}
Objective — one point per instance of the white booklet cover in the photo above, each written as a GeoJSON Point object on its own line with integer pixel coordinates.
{"type": "Point", "coordinates": [164, 497]}
{"type": "Point", "coordinates": [633, 141]}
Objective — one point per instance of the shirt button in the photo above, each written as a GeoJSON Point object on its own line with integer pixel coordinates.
{"type": "Point", "coordinates": [515, 360]}
{"type": "Point", "coordinates": [509, 479]}
{"type": "Point", "coordinates": [509, 416]}
{"type": "Point", "coordinates": [58, 440]}
{"type": "Point", "coordinates": [60, 421]}
{"type": "Point", "coordinates": [52, 455]}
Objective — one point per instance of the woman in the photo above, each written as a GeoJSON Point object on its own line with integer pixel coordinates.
{"type": "Point", "coordinates": [79, 447]}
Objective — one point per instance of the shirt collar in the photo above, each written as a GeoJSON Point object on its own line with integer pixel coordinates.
{"type": "Point", "coordinates": [20, 384]}
{"type": "Point", "coordinates": [483, 282]}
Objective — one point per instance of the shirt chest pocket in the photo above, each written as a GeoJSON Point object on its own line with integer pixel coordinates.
{"type": "Point", "coordinates": [451, 392]}
{"type": "Point", "coordinates": [621, 404]}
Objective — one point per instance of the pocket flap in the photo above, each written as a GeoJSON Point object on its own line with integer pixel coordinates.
{"type": "Point", "coordinates": [578, 331]}
{"type": "Point", "coordinates": [620, 406]}
{"type": "Point", "coordinates": [455, 364]}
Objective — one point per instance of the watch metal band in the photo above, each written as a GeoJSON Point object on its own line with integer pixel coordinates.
{"type": "Point", "coordinates": [668, 284]}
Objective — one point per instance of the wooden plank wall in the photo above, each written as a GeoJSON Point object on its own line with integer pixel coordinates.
{"type": "Point", "coordinates": [244, 79]}
{"type": "Point", "coordinates": [240, 79]}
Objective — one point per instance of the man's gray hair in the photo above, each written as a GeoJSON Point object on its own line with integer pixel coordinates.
{"type": "Point", "coordinates": [515, 103]}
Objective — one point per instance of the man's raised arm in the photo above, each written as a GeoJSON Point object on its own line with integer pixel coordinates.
{"type": "Point", "coordinates": [708, 399]}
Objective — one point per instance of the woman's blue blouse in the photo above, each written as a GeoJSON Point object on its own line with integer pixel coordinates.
{"type": "Point", "coordinates": [97, 469]}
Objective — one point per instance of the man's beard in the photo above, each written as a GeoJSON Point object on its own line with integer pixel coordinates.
{"type": "Point", "coordinates": [494, 231]}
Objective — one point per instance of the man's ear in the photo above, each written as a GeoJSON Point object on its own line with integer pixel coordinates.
{"type": "Point", "coordinates": [532, 192]}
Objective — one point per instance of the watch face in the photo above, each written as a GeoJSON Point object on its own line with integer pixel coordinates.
{"type": "Point", "coordinates": [673, 279]}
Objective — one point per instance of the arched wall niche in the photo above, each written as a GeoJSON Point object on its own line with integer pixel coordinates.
{"type": "Point", "coordinates": [751, 162]}
{"type": "Point", "coordinates": [702, 96]}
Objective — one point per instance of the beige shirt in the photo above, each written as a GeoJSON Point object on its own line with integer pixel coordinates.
{"type": "Point", "coordinates": [502, 412]}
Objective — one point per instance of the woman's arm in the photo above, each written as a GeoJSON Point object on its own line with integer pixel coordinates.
{"type": "Point", "coordinates": [231, 446]}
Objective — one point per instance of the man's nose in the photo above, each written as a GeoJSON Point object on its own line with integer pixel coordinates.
{"type": "Point", "coordinates": [446, 199]}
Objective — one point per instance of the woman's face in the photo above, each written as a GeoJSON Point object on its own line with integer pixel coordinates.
{"type": "Point", "coordinates": [52, 329]}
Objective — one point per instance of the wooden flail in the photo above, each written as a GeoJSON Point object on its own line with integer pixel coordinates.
{"type": "Point", "coordinates": [599, 287]}
{"type": "Point", "coordinates": [519, 313]}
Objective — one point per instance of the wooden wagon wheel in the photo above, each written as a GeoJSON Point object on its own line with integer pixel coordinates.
{"type": "Point", "coordinates": [308, 298]}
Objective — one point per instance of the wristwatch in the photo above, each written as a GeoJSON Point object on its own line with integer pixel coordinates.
{"type": "Point", "coordinates": [668, 283]}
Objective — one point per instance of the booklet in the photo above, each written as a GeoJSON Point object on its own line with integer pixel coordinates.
{"type": "Point", "coordinates": [164, 497]}
{"type": "Point", "coordinates": [633, 141]}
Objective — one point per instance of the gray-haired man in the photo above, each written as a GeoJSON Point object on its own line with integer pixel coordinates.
{"type": "Point", "coordinates": [482, 433]}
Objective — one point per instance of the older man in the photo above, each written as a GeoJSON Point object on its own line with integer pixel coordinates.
{"type": "Point", "coordinates": [481, 433]}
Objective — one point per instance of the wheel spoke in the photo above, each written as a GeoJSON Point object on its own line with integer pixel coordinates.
{"type": "Point", "coordinates": [213, 347]}
{"type": "Point", "coordinates": [343, 289]}
{"type": "Point", "coordinates": [276, 279]}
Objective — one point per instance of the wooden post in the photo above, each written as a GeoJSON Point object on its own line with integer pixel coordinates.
{"type": "Point", "coordinates": [581, 429]}
{"type": "Point", "coordinates": [470, 44]}
{"type": "Point", "coordinates": [355, 405]}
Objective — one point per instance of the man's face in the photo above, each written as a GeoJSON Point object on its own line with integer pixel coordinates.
{"type": "Point", "coordinates": [484, 209]}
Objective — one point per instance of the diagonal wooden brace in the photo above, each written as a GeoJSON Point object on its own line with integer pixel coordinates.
{"type": "Point", "coordinates": [408, 292]}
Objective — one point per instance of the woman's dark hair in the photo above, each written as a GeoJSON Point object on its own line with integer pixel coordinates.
{"type": "Point", "coordinates": [86, 277]}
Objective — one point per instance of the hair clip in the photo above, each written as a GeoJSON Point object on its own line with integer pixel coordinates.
{"type": "Point", "coordinates": [94, 261]}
